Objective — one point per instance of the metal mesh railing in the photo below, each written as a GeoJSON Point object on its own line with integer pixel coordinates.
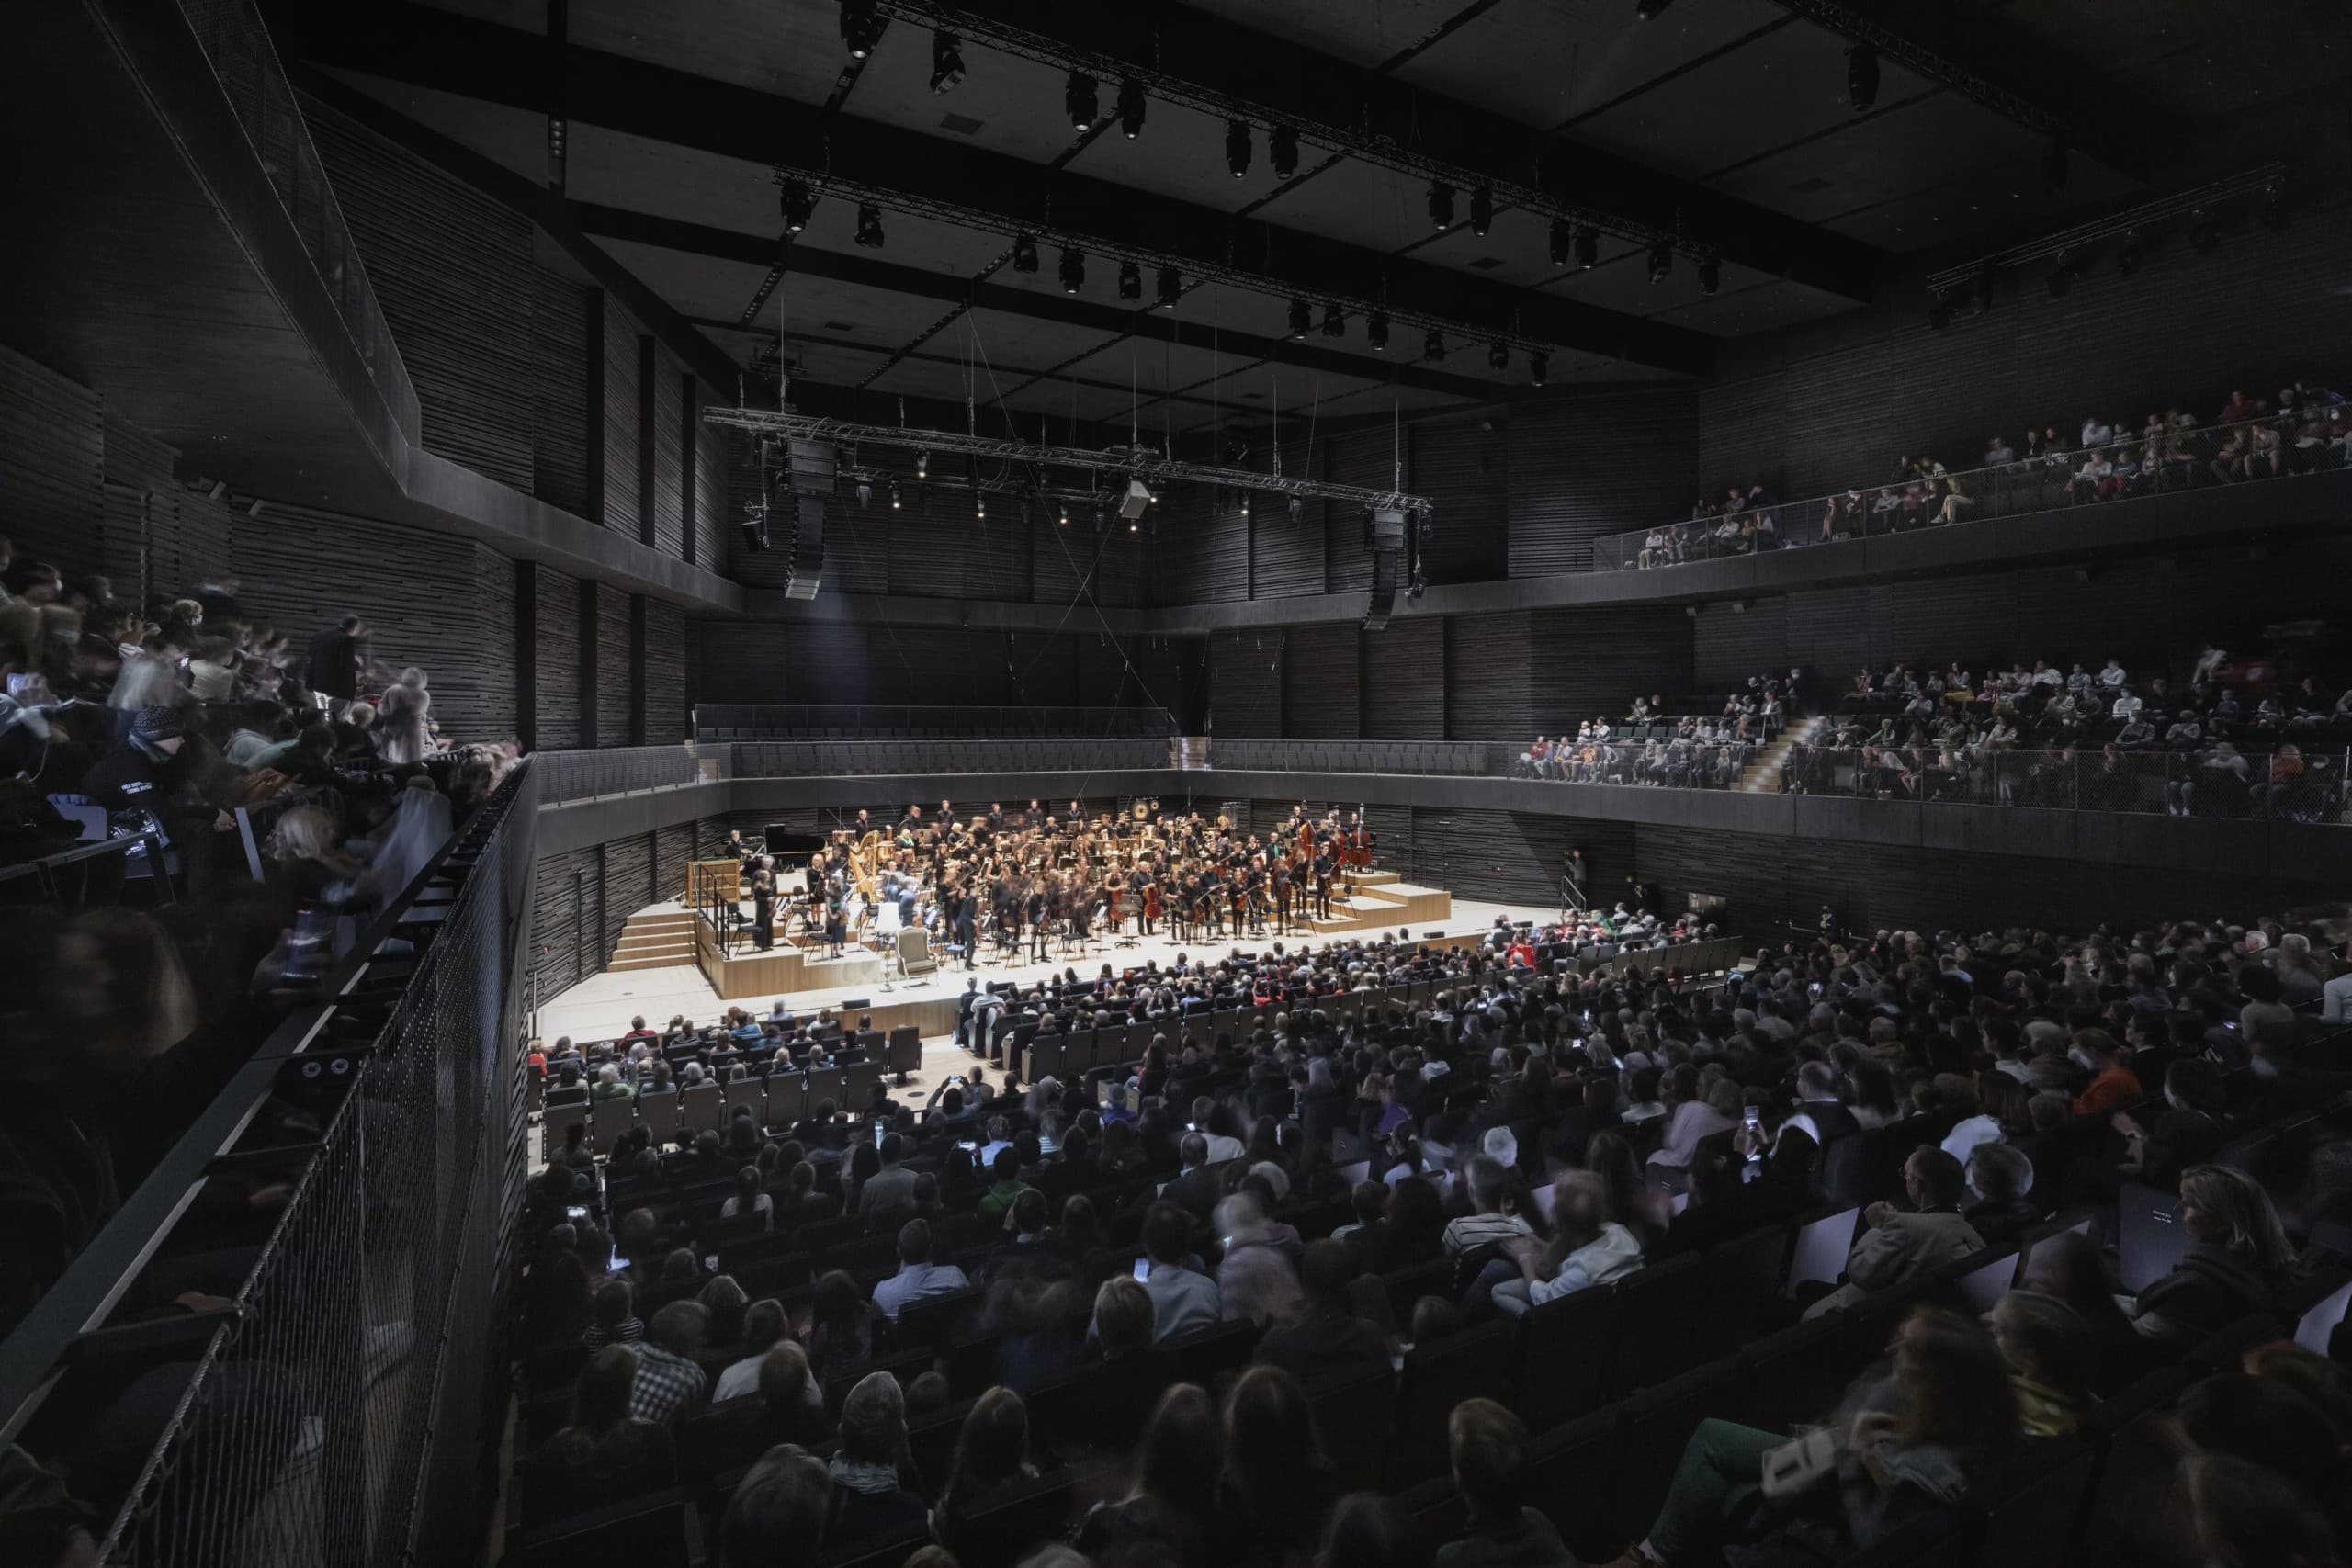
{"type": "Point", "coordinates": [581, 775]}
{"type": "Point", "coordinates": [883, 721]}
{"type": "Point", "coordinates": [233, 37]}
{"type": "Point", "coordinates": [802, 758]}
{"type": "Point", "coordinates": [2289, 784]}
{"type": "Point", "coordinates": [340, 1407]}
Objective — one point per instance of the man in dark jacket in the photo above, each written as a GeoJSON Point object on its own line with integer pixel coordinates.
{"type": "Point", "coordinates": [337, 654]}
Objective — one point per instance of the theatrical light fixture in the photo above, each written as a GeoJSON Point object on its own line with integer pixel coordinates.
{"type": "Point", "coordinates": [798, 204]}
{"type": "Point", "coordinates": [1440, 204]}
{"type": "Point", "coordinates": [861, 27]}
{"type": "Point", "coordinates": [1334, 321]}
{"type": "Point", "coordinates": [1301, 316]}
{"type": "Point", "coordinates": [2132, 255]}
{"type": "Point", "coordinates": [1862, 77]}
{"type": "Point", "coordinates": [1297, 507]}
{"type": "Point", "coordinates": [1563, 240]}
{"type": "Point", "coordinates": [2055, 169]}
{"type": "Point", "coordinates": [755, 534]}
{"type": "Point", "coordinates": [1024, 254]}
{"type": "Point", "coordinates": [1130, 280]}
{"type": "Point", "coordinates": [1245, 503]}
{"type": "Point", "coordinates": [1073, 270]}
{"type": "Point", "coordinates": [1281, 147]}
{"type": "Point", "coordinates": [869, 226]}
{"type": "Point", "coordinates": [1588, 248]}
{"type": "Point", "coordinates": [2062, 274]}
{"type": "Point", "coordinates": [1661, 261]}
{"type": "Point", "coordinates": [1433, 347]}
{"type": "Point", "coordinates": [1375, 331]}
{"type": "Point", "coordinates": [1539, 367]}
{"type": "Point", "coordinates": [894, 495]}
{"type": "Point", "coordinates": [1081, 101]}
{"type": "Point", "coordinates": [1237, 148]}
{"type": "Point", "coordinates": [1499, 357]}
{"type": "Point", "coordinates": [922, 464]}
{"type": "Point", "coordinates": [1064, 514]}
{"type": "Point", "coordinates": [865, 492]}
{"type": "Point", "coordinates": [1482, 209]}
{"type": "Point", "coordinates": [981, 505]}
{"type": "Point", "coordinates": [1171, 287]}
{"type": "Point", "coordinates": [1938, 313]}
{"type": "Point", "coordinates": [1710, 274]}
{"type": "Point", "coordinates": [1131, 109]}
{"type": "Point", "coordinates": [946, 61]}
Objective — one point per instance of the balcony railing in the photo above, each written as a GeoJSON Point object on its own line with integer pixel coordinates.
{"type": "Point", "coordinates": [2280, 447]}
{"type": "Point", "coordinates": [2289, 784]}
{"type": "Point", "coordinates": [883, 721]}
{"type": "Point", "coordinates": [624, 770]}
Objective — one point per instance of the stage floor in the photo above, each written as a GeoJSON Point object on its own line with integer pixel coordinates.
{"type": "Point", "coordinates": [600, 1007]}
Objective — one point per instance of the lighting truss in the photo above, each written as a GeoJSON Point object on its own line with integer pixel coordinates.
{"type": "Point", "coordinates": [1360, 144]}
{"type": "Point", "coordinates": [2203, 198]}
{"type": "Point", "coordinates": [1048, 233]}
{"type": "Point", "coordinates": [1132, 462]}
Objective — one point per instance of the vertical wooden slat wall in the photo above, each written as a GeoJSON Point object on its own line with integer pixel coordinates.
{"type": "Point", "coordinates": [1404, 679]}
{"type": "Point", "coordinates": [1463, 466]}
{"type": "Point", "coordinates": [53, 436]}
{"type": "Point", "coordinates": [1319, 699]}
{"type": "Point", "coordinates": [1246, 684]}
{"type": "Point", "coordinates": [623, 497]}
{"type": "Point", "coordinates": [559, 384]}
{"type": "Point", "coordinates": [611, 688]}
{"type": "Point", "coordinates": [1594, 466]}
{"type": "Point", "coordinates": [665, 673]}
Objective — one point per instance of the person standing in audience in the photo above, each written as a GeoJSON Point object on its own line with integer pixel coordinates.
{"type": "Point", "coordinates": [337, 655]}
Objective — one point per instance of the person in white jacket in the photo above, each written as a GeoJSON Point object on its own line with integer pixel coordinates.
{"type": "Point", "coordinates": [1587, 1248]}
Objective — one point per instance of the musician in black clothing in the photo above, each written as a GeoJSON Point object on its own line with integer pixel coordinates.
{"type": "Point", "coordinates": [1037, 907]}
{"type": "Point", "coordinates": [1146, 891]}
{"type": "Point", "coordinates": [762, 903]}
{"type": "Point", "coordinates": [1282, 894]}
{"type": "Point", "coordinates": [1323, 880]}
{"type": "Point", "coordinates": [967, 925]}
{"type": "Point", "coordinates": [1213, 900]}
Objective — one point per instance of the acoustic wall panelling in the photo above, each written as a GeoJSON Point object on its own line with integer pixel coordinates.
{"type": "Point", "coordinates": [637, 680]}
{"type": "Point", "coordinates": [1592, 663]}
{"type": "Point", "coordinates": [624, 492]}
{"type": "Point", "coordinates": [559, 381]}
{"type": "Point", "coordinates": [1463, 465]}
{"type": "Point", "coordinates": [1040, 668]}
{"type": "Point", "coordinates": [53, 445]}
{"type": "Point", "coordinates": [672, 846]}
{"type": "Point", "coordinates": [665, 673]}
{"type": "Point", "coordinates": [1246, 684]}
{"type": "Point", "coordinates": [744, 662]}
{"type": "Point", "coordinates": [1595, 464]}
{"type": "Point", "coordinates": [628, 887]}
{"type": "Point", "coordinates": [1514, 857]}
{"type": "Point", "coordinates": [940, 545]}
{"type": "Point", "coordinates": [610, 689]}
{"type": "Point", "coordinates": [1320, 681]}
{"type": "Point", "coordinates": [1286, 552]}
{"type": "Point", "coordinates": [1198, 548]}
{"type": "Point", "coordinates": [1814, 410]}
{"type": "Point", "coordinates": [712, 492]}
{"type": "Point", "coordinates": [452, 269]}
{"type": "Point", "coordinates": [561, 949]}
{"type": "Point", "coordinates": [755, 568]}
{"type": "Point", "coordinates": [1488, 676]}
{"type": "Point", "coordinates": [1366, 457]}
{"type": "Point", "coordinates": [1404, 679]}
{"type": "Point", "coordinates": [555, 674]}
{"type": "Point", "coordinates": [665, 415]}
{"type": "Point", "coordinates": [488, 666]}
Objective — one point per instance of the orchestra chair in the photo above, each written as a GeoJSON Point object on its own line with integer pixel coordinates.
{"type": "Point", "coordinates": [608, 1119]}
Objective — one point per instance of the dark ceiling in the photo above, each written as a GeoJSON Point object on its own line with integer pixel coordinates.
{"type": "Point", "coordinates": [1725, 125]}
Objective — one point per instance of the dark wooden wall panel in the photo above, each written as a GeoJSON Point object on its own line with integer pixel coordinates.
{"type": "Point", "coordinates": [713, 492]}
{"type": "Point", "coordinates": [561, 957]}
{"type": "Point", "coordinates": [1245, 683]}
{"type": "Point", "coordinates": [1287, 552]}
{"type": "Point", "coordinates": [1039, 668]}
{"type": "Point", "coordinates": [1403, 681]}
{"type": "Point", "coordinates": [628, 886]}
{"type": "Point", "coordinates": [621, 378]}
{"type": "Point", "coordinates": [1728, 645]}
{"type": "Point", "coordinates": [559, 391]}
{"type": "Point", "coordinates": [1462, 465]}
{"type": "Point", "coordinates": [1514, 857]}
{"type": "Point", "coordinates": [1489, 692]}
{"type": "Point", "coordinates": [1593, 465]}
{"type": "Point", "coordinates": [1366, 457]}
{"type": "Point", "coordinates": [556, 662]}
{"type": "Point", "coordinates": [494, 700]}
{"type": "Point", "coordinates": [1592, 663]}
{"type": "Point", "coordinates": [665, 673]}
{"type": "Point", "coordinates": [1199, 549]}
{"type": "Point", "coordinates": [743, 662]}
{"type": "Point", "coordinates": [612, 694]}
{"type": "Point", "coordinates": [52, 440]}
{"type": "Point", "coordinates": [670, 499]}
{"type": "Point", "coordinates": [672, 846]}
{"type": "Point", "coordinates": [452, 269]}
{"type": "Point", "coordinates": [1319, 682]}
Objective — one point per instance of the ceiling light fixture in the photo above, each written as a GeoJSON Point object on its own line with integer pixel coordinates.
{"type": "Point", "coordinates": [1281, 147]}
{"type": "Point", "coordinates": [1130, 280]}
{"type": "Point", "coordinates": [1499, 357]}
{"type": "Point", "coordinates": [1710, 274]}
{"type": "Point", "coordinates": [1024, 254]}
{"type": "Point", "coordinates": [1081, 102]}
{"type": "Point", "coordinates": [1433, 347]}
{"type": "Point", "coordinates": [1073, 270]}
{"type": "Point", "coordinates": [1237, 148]}
{"type": "Point", "coordinates": [798, 204]}
{"type": "Point", "coordinates": [1482, 209]}
{"type": "Point", "coordinates": [894, 495]}
{"type": "Point", "coordinates": [1862, 77]}
{"type": "Point", "coordinates": [946, 61]}
{"type": "Point", "coordinates": [1562, 241]}
{"type": "Point", "coordinates": [1588, 248]}
{"type": "Point", "coordinates": [1661, 261]}
{"type": "Point", "coordinates": [1539, 367]}
{"type": "Point", "coordinates": [1375, 331]}
{"type": "Point", "coordinates": [1131, 109]}
{"type": "Point", "coordinates": [1334, 321]}
{"type": "Point", "coordinates": [869, 226]}
{"type": "Point", "coordinates": [1440, 204]}
{"type": "Point", "coordinates": [1301, 316]}
{"type": "Point", "coordinates": [861, 27]}
{"type": "Point", "coordinates": [1171, 287]}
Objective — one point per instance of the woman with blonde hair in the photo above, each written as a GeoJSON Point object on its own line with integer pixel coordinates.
{"type": "Point", "coordinates": [307, 849]}
{"type": "Point", "coordinates": [399, 733]}
{"type": "Point", "coordinates": [2236, 1262]}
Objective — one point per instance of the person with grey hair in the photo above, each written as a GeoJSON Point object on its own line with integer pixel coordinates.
{"type": "Point", "coordinates": [1999, 1178]}
{"type": "Point", "coordinates": [776, 1517]}
{"type": "Point", "coordinates": [868, 1470]}
{"type": "Point", "coordinates": [608, 1085]}
{"type": "Point", "coordinates": [670, 1380]}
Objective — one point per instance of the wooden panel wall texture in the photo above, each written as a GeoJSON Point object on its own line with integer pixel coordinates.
{"type": "Point", "coordinates": [1463, 465]}
{"type": "Point", "coordinates": [556, 679]}
{"type": "Point", "coordinates": [1812, 411]}
{"type": "Point", "coordinates": [560, 388]}
{"type": "Point", "coordinates": [1286, 552]}
{"type": "Point", "coordinates": [53, 439]}
{"type": "Point", "coordinates": [1590, 466]}
{"type": "Point", "coordinates": [1364, 457]}
{"type": "Point", "coordinates": [1403, 681]}
{"type": "Point", "coordinates": [621, 467]}
{"type": "Point", "coordinates": [452, 269]}
{"type": "Point", "coordinates": [670, 499]}
{"type": "Point", "coordinates": [1245, 683]}
{"type": "Point", "coordinates": [712, 518]}
{"type": "Point", "coordinates": [1319, 681]}
{"type": "Point", "coordinates": [488, 664]}
{"type": "Point", "coordinates": [1592, 663]}
{"type": "Point", "coordinates": [1199, 547]}
{"type": "Point", "coordinates": [629, 883]}
{"type": "Point", "coordinates": [559, 956]}
{"type": "Point", "coordinates": [672, 846]}
{"type": "Point", "coordinates": [1489, 685]}
{"type": "Point", "coordinates": [665, 673]}
{"type": "Point", "coordinates": [611, 695]}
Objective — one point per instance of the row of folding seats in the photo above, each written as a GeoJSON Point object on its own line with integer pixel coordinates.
{"type": "Point", "coordinates": [778, 1099]}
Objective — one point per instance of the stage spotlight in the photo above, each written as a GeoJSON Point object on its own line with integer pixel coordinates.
{"type": "Point", "coordinates": [1441, 205]}
{"type": "Point", "coordinates": [1171, 287]}
{"type": "Point", "coordinates": [2132, 255]}
{"type": "Point", "coordinates": [1301, 316]}
{"type": "Point", "coordinates": [1281, 147]}
{"type": "Point", "coordinates": [1375, 331]}
{"type": "Point", "coordinates": [1539, 369]}
{"type": "Point", "coordinates": [2055, 169]}
{"type": "Point", "coordinates": [1661, 261]}
{"type": "Point", "coordinates": [1245, 503]}
{"type": "Point", "coordinates": [1237, 148]}
{"type": "Point", "coordinates": [894, 495]}
{"type": "Point", "coordinates": [1711, 275]}
{"type": "Point", "coordinates": [1862, 77]}
{"type": "Point", "coordinates": [869, 226]}
{"type": "Point", "coordinates": [1130, 281]}
{"type": "Point", "coordinates": [1482, 210]}
{"type": "Point", "coordinates": [1588, 248]}
{"type": "Point", "coordinates": [946, 61]}
{"type": "Point", "coordinates": [1065, 515]}
{"type": "Point", "coordinates": [1499, 357]}
{"type": "Point", "coordinates": [1297, 507]}
{"type": "Point", "coordinates": [1131, 109]}
{"type": "Point", "coordinates": [1073, 270]}
{"type": "Point", "coordinates": [1938, 313]}
{"type": "Point", "coordinates": [922, 464]}
{"type": "Point", "coordinates": [865, 492]}
{"type": "Point", "coordinates": [1562, 241]}
{"type": "Point", "coordinates": [1647, 10]}
{"type": "Point", "coordinates": [1433, 347]}
{"type": "Point", "coordinates": [1081, 101]}
{"type": "Point", "coordinates": [797, 203]}
{"type": "Point", "coordinates": [1334, 321]}
{"type": "Point", "coordinates": [861, 27]}
{"type": "Point", "coordinates": [980, 507]}
{"type": "Point", "coordinates": [1024, 254]}
{"type": "Point", "coordinates": [2061, 276]}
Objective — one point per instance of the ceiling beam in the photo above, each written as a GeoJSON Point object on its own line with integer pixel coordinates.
{"type": "Point", "coordinates": [436, 48]}
{"type": "Point", "coordinates": [1974, 51]}
{"type": "Point", "coordinates": [1062, 309]}
{"type": "Point", "coordinates": [1388, 122]}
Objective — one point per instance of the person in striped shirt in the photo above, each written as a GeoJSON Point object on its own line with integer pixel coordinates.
{"type": "Point", "coordinates": [1491, 1218]}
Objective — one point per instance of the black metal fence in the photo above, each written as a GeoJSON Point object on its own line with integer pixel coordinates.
{"type": "Point", "coordinates": [882, 721]}
{"type": "Point", "coordinates": [619, 769]}
{"type": "Point", "coordinates": [339, 1399]}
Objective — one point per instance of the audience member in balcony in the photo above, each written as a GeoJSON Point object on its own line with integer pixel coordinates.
{"type": "Point", "coordinates": [2237, 1263]}
{"type": "Point", "coordinates": [1896, 1245]}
